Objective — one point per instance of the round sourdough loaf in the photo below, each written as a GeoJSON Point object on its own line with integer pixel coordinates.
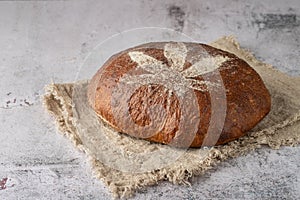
{"type": "Point", "coordinates": [153, 90]}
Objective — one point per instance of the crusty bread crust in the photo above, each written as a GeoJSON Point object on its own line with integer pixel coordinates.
{"type": "Point", "coordinates": [247, 99]}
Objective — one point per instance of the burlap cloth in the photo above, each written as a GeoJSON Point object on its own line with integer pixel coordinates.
{"type": "Point", "coordinates": [280, 128]}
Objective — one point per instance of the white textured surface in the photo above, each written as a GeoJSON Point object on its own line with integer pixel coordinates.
{"type": "Point", "coordinates": [43, 41]}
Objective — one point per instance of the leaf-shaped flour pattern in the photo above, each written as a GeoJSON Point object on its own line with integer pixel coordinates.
{"type": "Point", "coordinates": [176, 54]}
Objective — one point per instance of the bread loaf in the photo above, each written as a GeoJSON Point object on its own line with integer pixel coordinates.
{"type": "Point", "coordinates": [181, 94]}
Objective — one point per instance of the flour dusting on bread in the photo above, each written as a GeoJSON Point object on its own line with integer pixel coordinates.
{"type": "Point", "coordinates": [176, 53]}
{"type": "Point", "coordinates": [205, 65]}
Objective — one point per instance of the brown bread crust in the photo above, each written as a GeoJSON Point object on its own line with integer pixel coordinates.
{"type": "Point", "coordinates": [247, 99]}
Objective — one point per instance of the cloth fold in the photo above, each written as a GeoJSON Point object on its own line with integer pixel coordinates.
{"type": "Point", "coordinates": [280, 128]}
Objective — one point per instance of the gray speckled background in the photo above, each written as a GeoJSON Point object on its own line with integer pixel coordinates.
{"type": "Point", "coordinates": [44, 41]}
